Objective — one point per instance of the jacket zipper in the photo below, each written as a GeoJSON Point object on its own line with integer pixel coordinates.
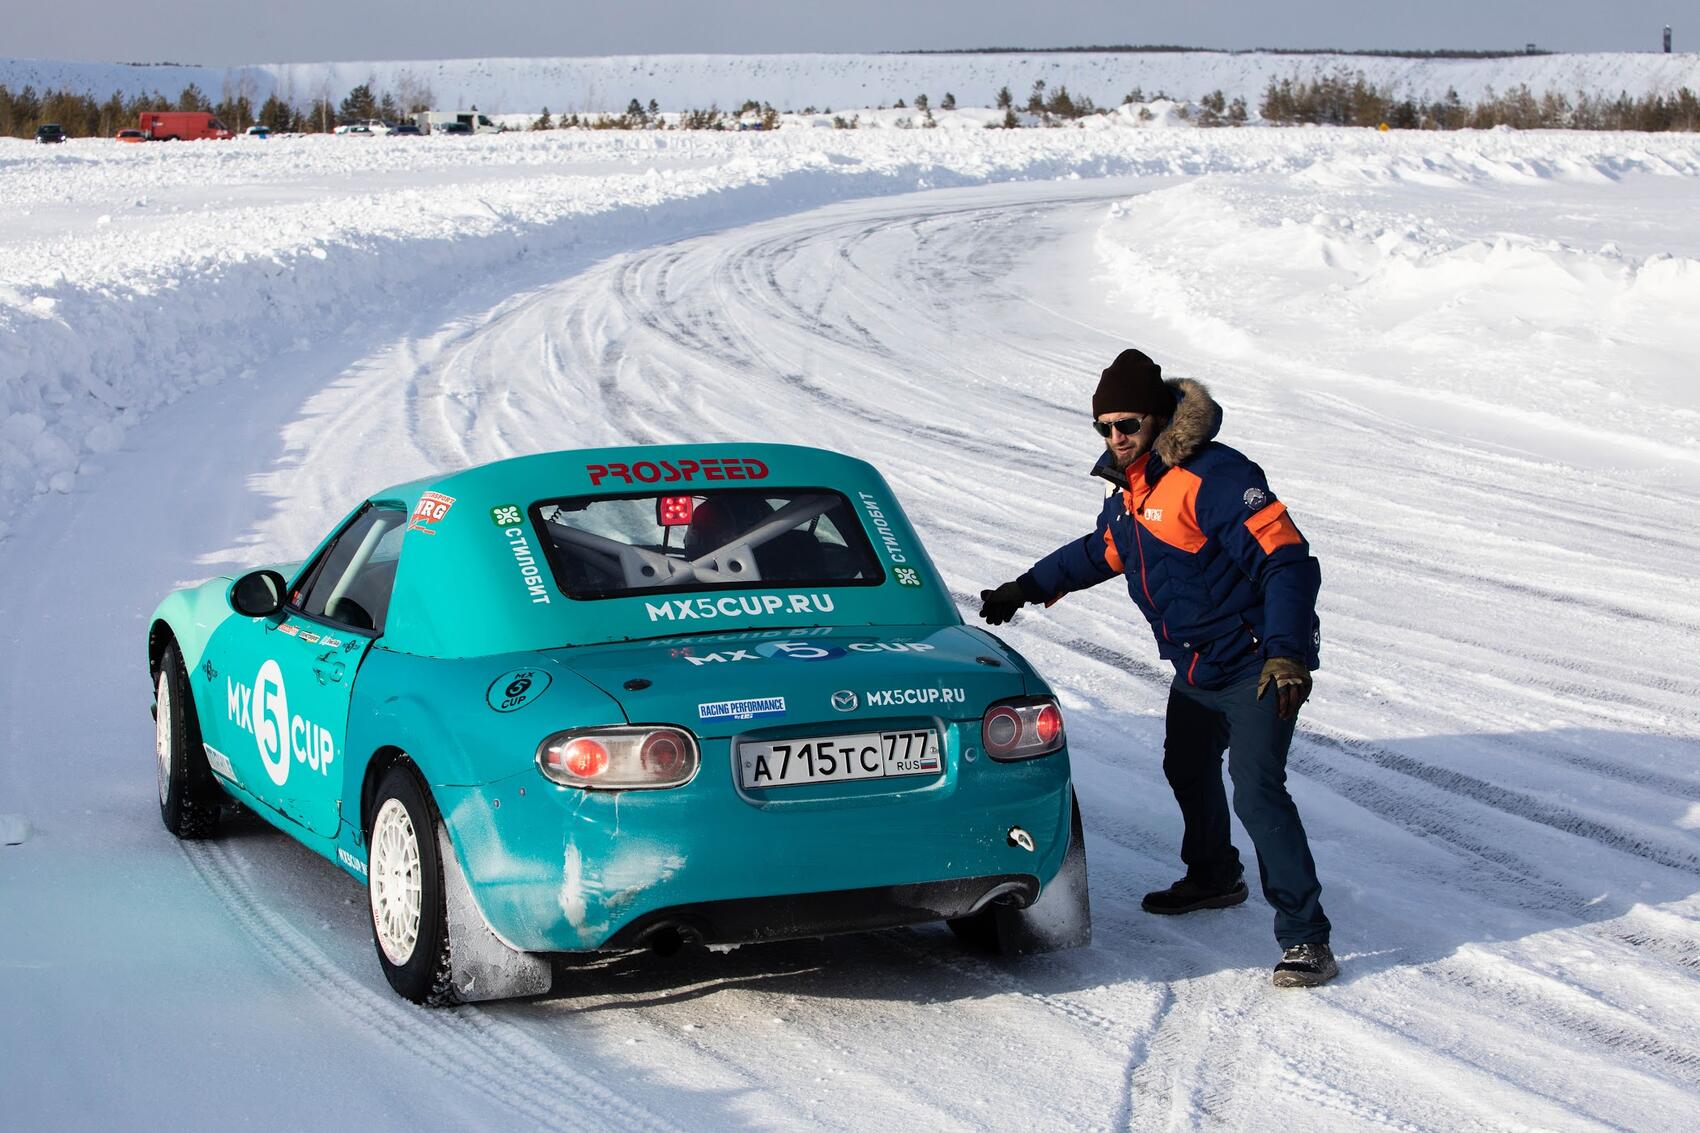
{"type": "Point", "coordinates": [1139, 541]}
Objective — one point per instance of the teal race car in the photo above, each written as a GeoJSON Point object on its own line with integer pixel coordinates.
{"type": "Point", "coordinates": [621, 698]}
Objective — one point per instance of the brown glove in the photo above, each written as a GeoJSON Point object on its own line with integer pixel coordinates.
{"type": "Point", "coordinates": [1292, 684]}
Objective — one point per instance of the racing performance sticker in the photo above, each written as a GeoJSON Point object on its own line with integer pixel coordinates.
{"type": "Point", "coordinates": [516, 688]}
{"type": "Point", "coordinates": [742, 709]}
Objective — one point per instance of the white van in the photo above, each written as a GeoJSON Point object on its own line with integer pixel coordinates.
{"type": "Point", "coordinates": [430, 121]}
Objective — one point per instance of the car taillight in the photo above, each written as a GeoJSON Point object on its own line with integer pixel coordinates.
{"type": "Point", "coordinates": [584, 759]}
{"type": "Point", "coordinates": [1022, 729]}
{"type": "Point", "coordinates": [619, 759]}
{"type": "Point", "coordinates": [665, 755]}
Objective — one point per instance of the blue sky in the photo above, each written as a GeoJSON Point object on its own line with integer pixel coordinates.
{"type": "Point", "coordinates": [200, 31]}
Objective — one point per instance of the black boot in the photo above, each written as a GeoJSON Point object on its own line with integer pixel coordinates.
{"type": "Point", "coordinates": [1306, 965]}
{"type": "Point", "coordinates": [1187, 895]}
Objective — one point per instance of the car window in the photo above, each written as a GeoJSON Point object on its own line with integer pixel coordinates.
{"type": "Point", "coordinates": [352, 580]}
{"type": "Point", "coordinates": [613, 546]}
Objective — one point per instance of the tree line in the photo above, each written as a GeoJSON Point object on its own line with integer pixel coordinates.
{"type": "Point", "coordinates": [1343, 98]}
{"type": "Point", "coordinates": [1347, 98]}
{"type": "Point", "coordinates": [82, 116]}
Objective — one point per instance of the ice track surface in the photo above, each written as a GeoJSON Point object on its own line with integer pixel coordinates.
{"type": "Point", "coordinates": [1498, 769]}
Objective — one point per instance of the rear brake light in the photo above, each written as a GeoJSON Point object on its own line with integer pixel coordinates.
{"type": "Point", "coordinates": [584, 758]}
{"type": "Point", "coordinates": [675, 511]}
{"type": "Point", "coordinates": [1022, 729]}
{"type": "Point", "coordinates": [619, 759]}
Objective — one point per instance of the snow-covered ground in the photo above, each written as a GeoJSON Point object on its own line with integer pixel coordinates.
{"type": "Point", "coordinates": [599, 83]}
{"type": "Point", "coordinates": [1466, 361]}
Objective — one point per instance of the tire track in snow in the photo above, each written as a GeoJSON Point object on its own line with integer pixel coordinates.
{"type": "Point", "coordinates": [1502, 799]}
{"type": "Point", "coordinates": [1373, 791]}
{"type": "Point", "coordinates": [724, 326]}
{"type": "Point", "coordinates": [466, 1044]}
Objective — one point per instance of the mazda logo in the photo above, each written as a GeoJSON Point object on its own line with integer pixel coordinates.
{"type": "Point", "coordinates": [844, 701]}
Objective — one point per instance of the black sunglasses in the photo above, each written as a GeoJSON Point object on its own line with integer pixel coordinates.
{"type": "Point", "coordinates": [1126, 426]}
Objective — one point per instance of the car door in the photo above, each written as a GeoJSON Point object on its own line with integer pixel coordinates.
{"type": "Point", "coordinates": [290, 677]}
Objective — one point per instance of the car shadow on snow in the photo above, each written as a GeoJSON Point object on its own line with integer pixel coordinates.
{"type": "Point", "coordinates": [1425, 846]}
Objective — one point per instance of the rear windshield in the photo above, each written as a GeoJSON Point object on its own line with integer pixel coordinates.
{"type": "Point", "coordinates": [614, 546]}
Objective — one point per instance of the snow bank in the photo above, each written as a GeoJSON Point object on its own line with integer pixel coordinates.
{"type": "Point", "coordinates": [1459, 321]}
{"type": "Point", "coordinates": [134, 274]}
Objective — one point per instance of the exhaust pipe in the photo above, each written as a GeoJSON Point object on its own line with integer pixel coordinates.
{"type": "Point", "coordinates": [668, 938]}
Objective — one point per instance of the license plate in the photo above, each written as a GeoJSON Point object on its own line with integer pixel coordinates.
{"type": "Point", "coordinates": [833, 759]}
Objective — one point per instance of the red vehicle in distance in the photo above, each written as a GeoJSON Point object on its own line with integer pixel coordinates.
{"type": "Point", "coordinates": [182, 126]}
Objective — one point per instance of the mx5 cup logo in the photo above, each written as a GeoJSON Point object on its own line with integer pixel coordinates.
{"type": "Point", "coordinates": [263, 712]}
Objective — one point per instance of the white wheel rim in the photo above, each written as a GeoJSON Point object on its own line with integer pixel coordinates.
{"type": "Point", "coordinates": [162, 735]}
{"type": "Point", "coordinates": [394, 881]}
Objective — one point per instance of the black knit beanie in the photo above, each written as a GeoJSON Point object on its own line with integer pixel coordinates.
{"type": "Point", "coordinates": [1133, 383]}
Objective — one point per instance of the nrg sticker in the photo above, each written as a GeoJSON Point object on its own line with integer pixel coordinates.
{"type": "Point", "coordinates": [431, 508]}
{"type": "Point", "coordinates": [514, 690]}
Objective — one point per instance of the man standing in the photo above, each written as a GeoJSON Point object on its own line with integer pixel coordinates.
{"type": "Point", "coordinates": [1218, 568]}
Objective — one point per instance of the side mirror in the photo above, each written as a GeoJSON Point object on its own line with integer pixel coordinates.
{"type": "Point", "coordinates": [258, 594]}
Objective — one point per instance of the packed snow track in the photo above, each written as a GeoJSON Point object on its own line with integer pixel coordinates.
{"type": "Point", "coordinates": [1498, 770]}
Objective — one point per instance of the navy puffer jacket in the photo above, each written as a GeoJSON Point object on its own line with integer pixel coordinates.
{"type": "Point", "coordinates": [1211, 557]}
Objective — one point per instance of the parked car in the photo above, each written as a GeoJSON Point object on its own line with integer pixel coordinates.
{"type": "Point", "coordinates": [355, 129]}
{"type": "Point", "coordinates": [435, 121]}
{"type": "Point", "coordinates": [620, 698]}
{"type": "Point", "coordinates": [261, 132]}
{"type": "Point", "coordinates": [131, 136]}
{"type": "Point", "coordinates": [405, 130]}
{"type": "Point", "coordinates": [459, 128]}
{"type": "Point", "coordinates": [50, 134]}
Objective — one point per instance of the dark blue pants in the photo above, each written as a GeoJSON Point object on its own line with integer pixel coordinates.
{"type": "Point", "coordinates": [1201, 725]}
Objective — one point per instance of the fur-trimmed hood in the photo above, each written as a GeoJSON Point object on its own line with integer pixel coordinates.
{"type": "Point", "coordinates": [1195, 424]}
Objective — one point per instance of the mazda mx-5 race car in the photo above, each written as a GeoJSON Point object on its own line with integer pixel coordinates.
{"type": "Point", "coordinates": [616, 698]}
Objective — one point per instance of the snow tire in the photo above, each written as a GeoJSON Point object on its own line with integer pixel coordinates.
{"type": "Point", "coordinates": [405, 822]}
{"type": "Point", "coordinates": [189, 798]}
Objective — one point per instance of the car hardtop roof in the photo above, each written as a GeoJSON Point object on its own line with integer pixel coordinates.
{"type": "Point", "coordinates": [640, 468]}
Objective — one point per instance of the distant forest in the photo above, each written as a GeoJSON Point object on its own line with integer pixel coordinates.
{"type": "Point", "coordinates": [1170, 48]}
{"type": "Point", "coordinates": [84, 117]}
{"type": "Point", "coordinates": [1344, 98]}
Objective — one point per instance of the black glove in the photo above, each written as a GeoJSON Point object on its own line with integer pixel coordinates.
{"type": "Point", "coordinates": [1292, 684]}
{"type": "Point", "coordinates": [999, 606]}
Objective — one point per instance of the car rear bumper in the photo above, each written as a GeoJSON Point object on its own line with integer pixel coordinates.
{"type": "Point", "coordinates": [750, 920]}
{"type": "Point", "coordinates": [555, 869]}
